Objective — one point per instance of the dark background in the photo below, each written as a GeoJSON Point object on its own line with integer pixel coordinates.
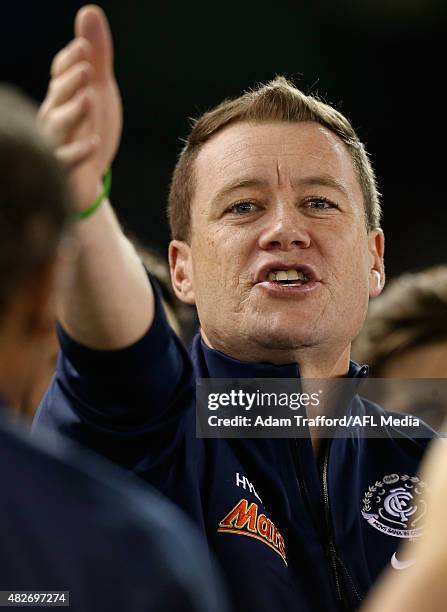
{"type": "Point", "coordinates": [382, 62]}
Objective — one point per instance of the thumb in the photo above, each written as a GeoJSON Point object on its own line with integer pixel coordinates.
{"type": "Point", "coordinates": [91, 23]}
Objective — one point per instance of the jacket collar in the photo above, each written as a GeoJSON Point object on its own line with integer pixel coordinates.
{"type": "Point", "coordinates": [214, 364]}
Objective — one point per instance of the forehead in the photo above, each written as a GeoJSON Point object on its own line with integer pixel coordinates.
{"type": "Point", "coordinates": [273, 151]}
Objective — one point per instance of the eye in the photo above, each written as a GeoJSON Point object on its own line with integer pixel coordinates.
{"type": "Point", "coordinates": [320, 203]}
{"type": "Point", "coordinates": [243, 208]}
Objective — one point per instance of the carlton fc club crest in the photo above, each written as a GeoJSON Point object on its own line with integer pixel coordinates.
{"type": "Point", "coordinates": [396, 506]}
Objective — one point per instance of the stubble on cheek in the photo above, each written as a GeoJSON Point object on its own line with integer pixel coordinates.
{"type": "Point", "coordinates": [345, 307]}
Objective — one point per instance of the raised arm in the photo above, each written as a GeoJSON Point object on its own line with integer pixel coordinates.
{"type": "Point", "coordinates": [105, 299]}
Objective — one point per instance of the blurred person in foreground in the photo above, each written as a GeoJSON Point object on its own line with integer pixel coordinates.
{"type": "Point", "coordinates": [405, 337]}
{"type": "Point", "coordinates": [422, 586]}
{"type": "Point", "coordinates": [69, 521]}
{"type": "Point", "coordinates": [275, 219]}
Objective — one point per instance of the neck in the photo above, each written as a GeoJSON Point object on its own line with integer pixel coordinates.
{"type": "Point", "coordinates": [15, 363]}
{"type": "Point", "coordinates": [10, 370]}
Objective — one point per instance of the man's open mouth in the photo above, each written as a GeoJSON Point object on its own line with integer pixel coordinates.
{"type": "Point", "coordinates": [291, 276]}
{"type": "Point", "coordinates": [288, 277]}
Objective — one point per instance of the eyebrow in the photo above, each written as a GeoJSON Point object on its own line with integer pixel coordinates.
{"type": "Point", "coordinates": [238, 184]}
{"type": "Point", "coordinates": [324, 180]}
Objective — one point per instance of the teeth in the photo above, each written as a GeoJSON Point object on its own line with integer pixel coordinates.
{"type": "Point", "coordinates": [292, 275]}
{"type": "Point", "coordinates": [286, 275]}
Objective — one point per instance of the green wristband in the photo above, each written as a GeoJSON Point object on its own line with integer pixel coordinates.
{"type": "Point", "coordinates": [106, 185]}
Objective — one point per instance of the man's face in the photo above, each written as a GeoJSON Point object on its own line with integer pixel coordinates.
{"type": "Point", "coordinates": [275, 201]}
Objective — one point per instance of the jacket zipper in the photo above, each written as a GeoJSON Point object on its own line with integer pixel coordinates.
{"type": "Point", "coordinates": [335, 559]}
{"type": "Point", "coordinates": [330, 548]}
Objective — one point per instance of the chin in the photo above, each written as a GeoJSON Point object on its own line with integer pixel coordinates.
{"type": "Point", "coordinates": [287, 335]}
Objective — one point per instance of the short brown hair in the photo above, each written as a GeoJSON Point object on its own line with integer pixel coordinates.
{"type": "Point", "coordinates": [412, 311]}
{"type": "Point", "coordinates": [34, 197]}
{"type": "Point", "coordinates": [279, 100]}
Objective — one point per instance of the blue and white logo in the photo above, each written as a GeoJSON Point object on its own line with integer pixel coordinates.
{"type": "Point", "coordinates": [396, 506]}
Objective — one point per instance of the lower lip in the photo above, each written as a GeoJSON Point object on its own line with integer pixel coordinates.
{"type": "Point", "coordinates": [288, 290]}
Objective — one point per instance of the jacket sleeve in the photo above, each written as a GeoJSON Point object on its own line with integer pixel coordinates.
{"type": "Point", "coordinates": [119, 402]}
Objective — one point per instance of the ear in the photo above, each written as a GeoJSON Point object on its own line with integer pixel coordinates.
{"type": "Point", "coordinates": [376, 246]}
{"type": "Point", "coordinates": [180, 263]}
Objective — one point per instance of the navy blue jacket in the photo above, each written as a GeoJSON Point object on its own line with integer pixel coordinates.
{"type": "Point", "coordinates": [290, 534]}
{"type": "Point", "coordinates": [72, 522]}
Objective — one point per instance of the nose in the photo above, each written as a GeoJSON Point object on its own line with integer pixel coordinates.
{"type": "Point", "coordinates": [284, 230]}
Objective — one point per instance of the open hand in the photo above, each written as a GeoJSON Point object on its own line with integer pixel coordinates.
{"type": "Point", "coordinates": [82, 112]}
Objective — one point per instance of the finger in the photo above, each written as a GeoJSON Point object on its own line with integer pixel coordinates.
{"type": "Point", "coordinates": [64, 87]}
{"type": "Point", "coordinates": [62, 120]}
{"type": "Point", "coordinates": [78, 50]}
{"type": "Point", "coordinates": [78, 152]}
{"type": "Point", "coordinates": [91, 24]}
